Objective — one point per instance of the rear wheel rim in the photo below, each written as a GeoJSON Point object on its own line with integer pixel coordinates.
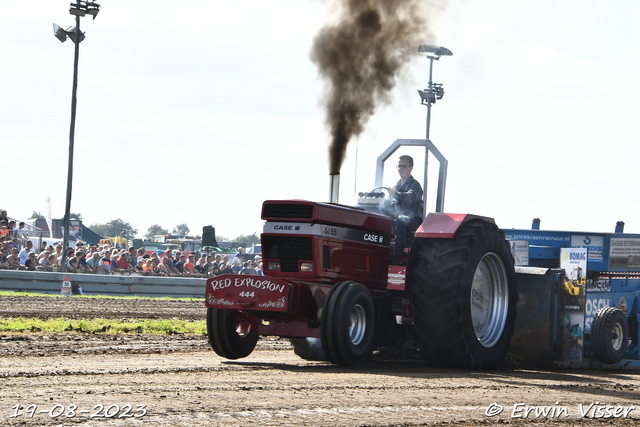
{"type": "Point", "coordinates": [489, 299]}
{"type": "Point", "coordinates": [617, 336]}
{"type": "Point", "coordinates": [357, 324]}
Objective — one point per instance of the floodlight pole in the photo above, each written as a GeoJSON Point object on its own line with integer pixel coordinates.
{"type": "Point", "coordinates": [72, 130]}
{"type": "Point", "coordinates": [430, 91]}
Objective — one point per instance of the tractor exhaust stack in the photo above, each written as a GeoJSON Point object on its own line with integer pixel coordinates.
{"type": "Point", "coordinates": [334, 187]}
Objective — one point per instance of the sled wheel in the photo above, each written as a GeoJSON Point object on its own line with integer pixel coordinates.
{"type": "Point", "coordinates": [347, 323]}
{"type": "Point", "coordinates": [609, 335]}
{"type": "Point", "coordinates": [308, 348]}
{"type": "Point", "coordinates": [464, 293]}
{"type": "Point", "coordinates": [232, 333]}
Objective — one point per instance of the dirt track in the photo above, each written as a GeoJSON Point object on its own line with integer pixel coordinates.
{"type": "Point", "coordinates": [182, 382]}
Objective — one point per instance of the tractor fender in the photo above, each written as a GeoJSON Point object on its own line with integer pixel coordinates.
{"type": "Point", "coordinates": [445, 225]}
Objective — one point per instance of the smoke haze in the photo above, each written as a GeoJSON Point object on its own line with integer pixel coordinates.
{"type": "Point", "coordinates": [362, 58]}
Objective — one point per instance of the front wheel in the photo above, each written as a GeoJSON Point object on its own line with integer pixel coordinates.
{"type": "Point", "coordinates": [232, 333]}
{"type": "Point", "coordinates": [347, 323]}
{"type": "Point", "coordinates": [609, 335]}
{"type": "Point", "coordinates": [465, 295]}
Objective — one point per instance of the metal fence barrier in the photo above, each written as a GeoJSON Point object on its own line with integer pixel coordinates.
{"type": "Point", "coordinates": [99, 284]}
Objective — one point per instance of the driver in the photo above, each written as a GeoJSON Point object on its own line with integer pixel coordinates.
{"type": "Point", "coordinates": [407, 200]}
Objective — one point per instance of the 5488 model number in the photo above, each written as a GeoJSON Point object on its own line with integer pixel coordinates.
{"type": "Point", "coordinates": [329, 231]}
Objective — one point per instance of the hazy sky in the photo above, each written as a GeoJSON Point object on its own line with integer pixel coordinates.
{"type": "Point", "coordinates": [196, 112]}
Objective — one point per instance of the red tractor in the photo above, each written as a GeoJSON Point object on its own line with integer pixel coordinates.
{"type": "Point", "coordinates": [328, 286]}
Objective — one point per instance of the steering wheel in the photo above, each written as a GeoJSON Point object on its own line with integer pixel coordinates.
{"type": "Point", "coordinates": [375, 193]}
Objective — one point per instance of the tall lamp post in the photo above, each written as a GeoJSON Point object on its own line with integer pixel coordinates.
{"type": "Point", "coordinates": [78, 9]}
{"type": "Point", "coordinates": [434, 91]}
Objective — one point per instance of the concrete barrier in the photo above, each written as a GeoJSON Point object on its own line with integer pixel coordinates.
{"type": "Point", "coordinates": [101, 284]}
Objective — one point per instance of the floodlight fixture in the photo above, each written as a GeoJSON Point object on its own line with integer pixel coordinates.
{"type": "Point", "coordinates": [82, 8]}
{"type": "Point", "coordinates": [435, 91]}
{"type": "Point", "coordinates": [434, 50]}
{"type": "Point", "coordinates": [69, 32]}
{"type": "Point", "coordinates": [59, 33]}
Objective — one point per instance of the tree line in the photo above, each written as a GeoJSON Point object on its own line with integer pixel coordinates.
{"type": "Point", "coordinates": [119, 227]}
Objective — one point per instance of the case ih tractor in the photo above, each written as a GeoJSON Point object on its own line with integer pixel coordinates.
{"type": "Point", "coordinates": [329, 287]}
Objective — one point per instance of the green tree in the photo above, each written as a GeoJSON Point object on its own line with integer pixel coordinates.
{"type": "Point", "coordinates": [245, 240]}
{"type": "Point", "coordinates": [181, 230]}
{"type": "Point", "coordinates": [76, 216]}
{"type": "Point", "coordinates": [37, 215]}
{"type": "Point", "coordinates": [115, 227]}
{"type": "Point", "coordinates": [155, 230]}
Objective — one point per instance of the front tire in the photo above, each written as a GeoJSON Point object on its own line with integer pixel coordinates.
{"type": "Point", "coordinates": [232, 333]}
{"type": "Point", "coordinates": [347, 324]}
{"type": "Point", "coordinates": [609, 335]}
{"type": "Point", "coordinates": [465, 296]}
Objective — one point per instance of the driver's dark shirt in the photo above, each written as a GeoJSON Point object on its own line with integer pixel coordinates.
{"type": "Point", "coordinates": [409, 201]}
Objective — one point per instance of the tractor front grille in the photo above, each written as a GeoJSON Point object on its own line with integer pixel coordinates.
{"type": "Point", "coordinates": [286, 211]}
{"type": "Point", "coordinates": [288, 249]}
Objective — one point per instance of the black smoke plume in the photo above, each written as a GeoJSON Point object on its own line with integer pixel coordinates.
{"type": "Point", "coordinates": [362, 58]}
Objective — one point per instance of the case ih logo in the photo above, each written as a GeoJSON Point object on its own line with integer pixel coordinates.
{"type": "Point", "coordinates": [287, 227]}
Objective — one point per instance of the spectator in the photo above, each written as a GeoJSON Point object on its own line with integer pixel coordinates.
{"type": "Point", "coordinates": [164, 267]}
{"type": "Point", "coordinates": [180, 264]}
{"type": "Point", "coordinates": [92, 250]}
{"type": "Point", "coordinates": [58, 252]}
{"type": "Point", "coordinates": [53, 262]}
{"type": "Point", "coordinates": [6, 248]}
{"type": "Point", "coordinates": [93, 263]}
{"type": "Point", "coordinates": [217, 261]}
{"type": "Point", "coordinates": [4, 231]}
{"type": "Point", "coordinates": [32, 262]}
{"type": "Point", "coordinates": [43, 259]}
{"type": "Point", "coordinates": [3, 215]}
{"type": "Point", "coordinates": [24, 253]}
{"type": "Point", "coordinates": [140, 254]}
{"type": "Point", "coordinates": [239, 258]}
{"type": "Point", "coordinates": [247, 269]}
{"type": "Point", "coordinates": [105, 263]}
{"type": "Point", "coordinates": [190, 266]}
{"type": "Point", "coordinates": [82, 261]}
{"type": "Point", "coordinates": [227, 269]}
{"type": "Point", "coordinates": [236, 266]}
{"type": "Point", "coordinates": [133, 259]}
{"type": "Point", "coordinates": [20, 233]}
{"type": "Point", "coordinates": [74, 265]}
{"type": "Point", "coordinates": [123, 262]}
{"type": "Point", "coordinates": [154, 265]}
{"type": "Point", "coordinates": [170, 263]}
{"type": "Point", "coordinates": [3, 259]}
{"type": "Point", "coordinates": [202, 267]}
{"type": "Point", "coordinates": [43, 245]}
{"type": "Point", "coordinates": [215, 271]}
{"type": "Point", "coordinates": [15, 243]}
{"type": "Point", "coordinates": [114, 261]}
{"type": "Point", "coordinates": [259, 269]}
{"type": "Point", "coordinates": [13, 260]}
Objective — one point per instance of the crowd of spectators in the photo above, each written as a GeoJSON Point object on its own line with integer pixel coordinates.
{"type": "Point", "coordinates": [17, 253]}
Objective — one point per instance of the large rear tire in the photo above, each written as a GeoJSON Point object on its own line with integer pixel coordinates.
{"type": "Point", "coordinates": [465, 295]}
{"type": "Point", "coordinates": [347, 324]}
{"type": "Point", "coordinates": [232, 334]}
{"type": "Point", "coordinates": [609, 335]}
